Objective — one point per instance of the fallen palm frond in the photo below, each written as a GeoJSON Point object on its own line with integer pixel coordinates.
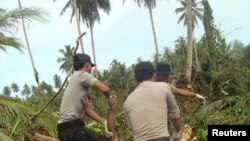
{"type": "Point", "coordinates": [15, 115]}
{"type": "Point", "coordinates": [228, 110]}
{"type": "Point", "coordinates": [216, 106]}
{"type": "Point", "coordinates": [4, 137]}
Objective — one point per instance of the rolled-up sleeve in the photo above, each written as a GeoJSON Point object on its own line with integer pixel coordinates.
{"type": "Point", "coordinates": [87, 79]}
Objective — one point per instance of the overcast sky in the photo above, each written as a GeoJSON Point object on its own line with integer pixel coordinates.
{"type": "Point", "coordinates": [125, 35]}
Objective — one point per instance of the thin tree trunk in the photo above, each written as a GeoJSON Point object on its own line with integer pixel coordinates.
{"type": "Point", "coordinates": [28, 45]}
{"type": "Point", "coordinates": [196, 58]}
{"type": "Point", "coordinates": [93, 48]}
{"type": "Point", "coordinates": [190, 41]}
{"type": "Point", "coordinates": [154, 33]}
{"type": "Point", "coordinates": [78, 25]}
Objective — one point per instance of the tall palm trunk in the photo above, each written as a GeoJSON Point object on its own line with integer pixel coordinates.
{"type": "Point", "coordinates": [154, 33]}
{"type": "Point", "coordinates": [78, 24]}
{"type": "Point", "coordinates": [190, 41]}
{"type": "Point", "coordinates": [28, 45]}
{"type": "Point", "coordinates": [93, 48]}
{"type": "Point", "coordinates": [196, 57]}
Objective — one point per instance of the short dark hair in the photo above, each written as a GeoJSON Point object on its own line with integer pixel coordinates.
{"type": "Point", "coordinates": [78, 65]}
{"type": "Point", "coordinates": [143, 71]}
{"type": "Point", "coordinates": [163, 68]}
{"type": "Point", "coordinates": [80, 59]}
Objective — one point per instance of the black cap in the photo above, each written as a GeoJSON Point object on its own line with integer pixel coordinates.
{"type": "Point", "coordinates": [81, 58]}
{"type": "Point", "coordinates": [144, 67]}
{"type": "Point", "coordinates": [163, 68]}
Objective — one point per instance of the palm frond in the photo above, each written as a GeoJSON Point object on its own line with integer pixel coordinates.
{"type": "Point", "coordinates": [15, 109]}
{"type": "Point", "coordinates": [182, 17]}
{"type": "Point", "coordinates": [218, 105]}
{"type": "Point", "coordinates": [183, 3]}
{"type": "Point", "coordinates": [10, 42]}
{"type": "Point", "coordinates": [198, 14]}
{"type": "Point", "coordinates": [9, 19]}
{"type": "Point", "coordinates": [4, 137]}
{"type": "Point", "coordinates": [104, 5]}
{"type": "Point", "coordinates": [195, 12]}
{"type": "Point", "coordinates": [67, 5]}
{"type": "Point", "coordinates": [180, 9]}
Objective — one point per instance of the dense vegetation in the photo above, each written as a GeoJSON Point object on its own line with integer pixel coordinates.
{"type": "Point", "coordinates": [221, 72]}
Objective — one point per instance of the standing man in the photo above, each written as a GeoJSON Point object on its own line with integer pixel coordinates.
{"type": "Point", "coordinates": [162, 72]}
{"type": "Point", "coordinates": [70, 127]}
{"type": "Point", "coordinates": [150, 105]}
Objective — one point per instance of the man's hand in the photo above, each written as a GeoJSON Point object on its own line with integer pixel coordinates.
{"type": "Point", "coordinates": [108, 134]}
{"type": "Point", "coordinates": [201, 97]}
{"type": "Point", "coordinates": [111, 101]}
{"type": "Point", "coordinates": [175, 136]}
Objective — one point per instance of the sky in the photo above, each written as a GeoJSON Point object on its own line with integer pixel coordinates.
{"type": "Point", "coordinates": [125, 34]}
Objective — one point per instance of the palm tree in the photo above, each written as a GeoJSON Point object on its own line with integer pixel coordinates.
{"type": "Point", "coordinates": [28, 45]}
{"type": "Point", "coordinates": [74, 12]}
{"type": "Point", "coordinates": [190, 13]}
{"type": "Point", "coordinates": [15, 87]}
{"type": "Point", "coordinates": [9, 21]}
{"type": "Point", "coordinates": [180, 53]}
{"type": "Point", "coordinates": [67, 58]}
{"type": "Point", "coordinates": [88, 10]}
{"type": "Point", "coordinates": [26, 90]}
{"type": "Point", "coordinates": [150, 4]}
{"type": "Point", "coordinates": [6, 91]}
{"type": "Point", "coordinates": [57, 81]}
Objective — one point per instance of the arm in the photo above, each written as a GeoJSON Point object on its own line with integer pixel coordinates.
{"type": "Point", "coordinates": [173, 112]}
{"type": "Point", "coordinates": [176, 124]}
{"type": "Point", "coordinates": [91, 113]}
{"type": "Point", "coordinates": [184, 93]}
{"type": "Point", "coordinates": [188, 93]}
{"type": "Point", "coordinates": [111, 127]}
{"type": "Point", "coordinates": [110, 119]}
{"type": "Point", "coordinates": [103, 88]}
{"type": "Point", "coordinates": [174, 116]}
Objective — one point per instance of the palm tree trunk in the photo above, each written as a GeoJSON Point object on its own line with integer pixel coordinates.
{"type": "Point", "coordinates": [190, 41]}
{"type": "Point", "coordinates": [196, 58]}
{"type": "Point", "coordinates": [78, 25]}
{"type": "Point", "coordinates": [93, 48]}
{"type": "Point", "coordinates": [154, 33]}
{"type": "Point", "coordinates": [28, 45]}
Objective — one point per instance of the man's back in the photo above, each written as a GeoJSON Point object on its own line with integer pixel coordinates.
{"type": "Point", "coordinates": [147, 109]}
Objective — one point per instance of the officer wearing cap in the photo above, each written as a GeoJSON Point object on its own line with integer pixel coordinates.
{"type": "Point", "coordinates": [162, 73]}
{"type": "Point", "coordinates": [150, 105]}
{"type": "Point", "coordinates": [70, 127]}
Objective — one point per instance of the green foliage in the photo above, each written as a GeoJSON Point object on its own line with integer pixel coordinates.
{"type": "Point", "coordinates": [26, 90]}
{"type": "Point", "coordinates": [225, 111]}
{"type": "Point", "coordinates": [9, 21]}
{"type": "Point", "coordinates": [88, 10]}
{"type": "Point", "coordinates": [15, 115]}
{"type": "Point", "coordinates": [124, 133]}
{"type": "Point", "coordinates": [96, 127]}
{"type": "Point", "coordinates": [41, 95]}
{"type": "Point", "coordinates": [67, 58]}
{"type": "Point", "coordinates": [6, 91]}
{"type": "Point", "coordinates": [4, 137]}
{"type": "Point", "coordinates": [196, 12]}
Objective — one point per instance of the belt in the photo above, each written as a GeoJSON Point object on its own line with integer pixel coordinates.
{"type": "Point", "coordinates": [71, 123]}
